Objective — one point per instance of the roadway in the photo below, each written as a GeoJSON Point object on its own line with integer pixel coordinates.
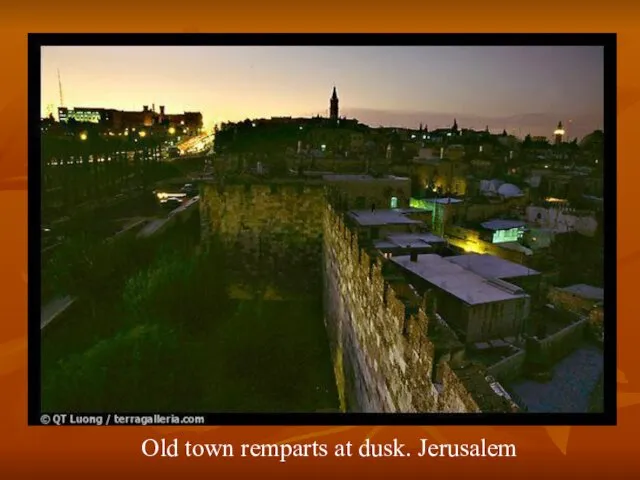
{"type": "Point", "coordinates": [150, 226]}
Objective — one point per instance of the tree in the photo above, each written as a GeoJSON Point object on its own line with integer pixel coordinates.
{"type": "Point", "coordinates": [141, 369]}
{"type": "Point", "coordinates": [186, 291]}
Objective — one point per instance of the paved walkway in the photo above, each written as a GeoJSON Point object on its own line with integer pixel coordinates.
{"type": "Point", "coordinates": [569, 391]}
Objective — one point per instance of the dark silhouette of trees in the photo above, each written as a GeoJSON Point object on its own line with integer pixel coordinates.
{"type": "Point", "coordinates": [149, 363]}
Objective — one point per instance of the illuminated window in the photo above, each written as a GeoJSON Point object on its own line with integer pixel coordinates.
{"type": "Point", "coordinates": [394, 202]}
{"type": "Point", "coordinates": [510, 235]}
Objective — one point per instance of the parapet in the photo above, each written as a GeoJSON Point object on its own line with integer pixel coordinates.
{"type": "Point", "coordinates": [431, 354]}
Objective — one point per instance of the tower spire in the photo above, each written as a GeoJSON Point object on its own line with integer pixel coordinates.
{"type": "Point", "coordinates": [333, 105]}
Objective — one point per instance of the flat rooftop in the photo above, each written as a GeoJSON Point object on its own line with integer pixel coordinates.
{"type": "Point", "coordinates": [490, 266]}
{"type": "Point", "coordinates": [362, 178]}
{"type": "Point", "coordinates": [446, 200]}
{"type": "Point", "coordinates": [368, 218]}
{"type": "Point", "coordinates": [409, 240]}
{"type": "Point", "coordinates": [458, 281]}
{"type": "Point", "coordinates": [585, 291]}
{"type": "Point", "coordinates": [515, 246]}
{"type": "Point", "coordinates": [502, 224]}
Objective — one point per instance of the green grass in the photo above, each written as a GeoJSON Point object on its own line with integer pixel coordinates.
{"type": "Point", "coordinates": [272, 357]}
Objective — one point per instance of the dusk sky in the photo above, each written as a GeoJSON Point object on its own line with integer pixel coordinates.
{"type": "Point", "coordinates": [520, 89]}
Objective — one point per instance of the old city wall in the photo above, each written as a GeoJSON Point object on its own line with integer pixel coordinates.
{"type": "Point", "coordinates": [270, 232]}
{"type": "Point", "coordinates": [383, 358]}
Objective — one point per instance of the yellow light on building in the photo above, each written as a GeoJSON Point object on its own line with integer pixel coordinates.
{"type": "Point", "coordinates": [172, 130]}
{"type": "Point", "coordinates": [559, 131]}
{"type": "Point", "coordinates": [142, 133]}
{"type": "Point", "coordinates": [83, 136]}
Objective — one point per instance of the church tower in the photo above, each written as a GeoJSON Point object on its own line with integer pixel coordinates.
{"type": "Point", "coordinates": [333, 105]}
{"type": "Point", "coordinates": [559, 133]}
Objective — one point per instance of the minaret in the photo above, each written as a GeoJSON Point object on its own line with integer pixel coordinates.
{"type": "Point", "coordinates": [333, 105]}
{"type": "Point", "coordinates": [559, 133]}
{"type": "Point", "coordinates": [454, 129]}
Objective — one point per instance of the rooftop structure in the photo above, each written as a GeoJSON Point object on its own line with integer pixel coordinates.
{"type": "Point", "coordinates": [503, 224]}
{"type": "Point", "coordinates": [409, 240]}
{"type": "Point", "coordinates": [372, 218]}
{"type": "Point", "coordinates": [508, 190]}
{"type": "Point", "coordinates": [363, 178]}
{"type": "Point", "coordinates": [463, 284]}
{"type": "Point", "coordinates": [446, 200]}
{"type": "Point", "coordinates": [587, 292]}
{"type": "Point", "coordinates": [490, 266]}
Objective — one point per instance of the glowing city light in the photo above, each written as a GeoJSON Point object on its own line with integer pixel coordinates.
{"type": "Point", "coordinates": [172, 130]}
{"type": "Point", "coordinates": [83, 136]}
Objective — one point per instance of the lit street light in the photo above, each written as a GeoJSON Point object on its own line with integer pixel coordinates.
{"type": "Point", "coordinates": [83, 136]}
{"type": "Point", "coordinates": [142, 133]}
{"type": "Point", "coordinates": [172, 130]}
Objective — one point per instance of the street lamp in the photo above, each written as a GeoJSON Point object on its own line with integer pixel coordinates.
{"type": "Point", "coordinates": [83, 136]}
{"type": "Point", "coordinates": [142, 133]}
{"type": "Point", "coordinates": [172, 130]}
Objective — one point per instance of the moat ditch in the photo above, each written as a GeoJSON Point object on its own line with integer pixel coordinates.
{"type": "Point", "coordinates": [165, 334]}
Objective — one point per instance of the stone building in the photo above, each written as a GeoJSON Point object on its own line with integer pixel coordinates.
{"type": "Point", "coordinates": [492, 267]}
{"type": "Point", "coordinates": [365, 191]}
{"type": "Point", "coordinates": [479, 309]}
{"type": "Point", "coordinates": [407, 243]}
{"type": "Point", "coordinates": [444, 211]}
{"type": "Point", "coordinates": [371, 225]}
{"type": "Point", "coordinates": [439, 175]}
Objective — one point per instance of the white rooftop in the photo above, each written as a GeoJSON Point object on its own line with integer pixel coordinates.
{"type": "Point", "coordinates": [444, 200]}
{"type": "Point", "coordinates": [490, 266]}
{"type": "Point", "coordinates": [414, 239]}
{"type": "Point", "coordinates": [502, 224]}
{"type": "Point", "coordinates": [516, 247]}
{"type": "Point", "coordinates": [458, 281]}
{"type": "Point", "coordinates": [381, 217]}
{"type": "Point", "coordinates": [409, 240]}
{"type": "Point", "coordinates": [355, 178]}
{"type": "Point", "coordinates": [585, 291]}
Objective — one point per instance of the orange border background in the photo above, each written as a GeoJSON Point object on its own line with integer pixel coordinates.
{"type": "Point", "coordinates": [81, 452]}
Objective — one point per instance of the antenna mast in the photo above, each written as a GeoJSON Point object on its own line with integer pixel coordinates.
{"type": "Point", "coordinates": [60, 87]}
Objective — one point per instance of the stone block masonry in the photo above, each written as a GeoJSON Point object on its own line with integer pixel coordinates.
{"type": "Point", "coordinates": [384, 359]}
{"type": "Point", "coordinates": [272, 232]}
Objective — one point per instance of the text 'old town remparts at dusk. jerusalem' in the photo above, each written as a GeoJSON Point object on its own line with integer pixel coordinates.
{"type": "Point", "coordinates": [337, 229]}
